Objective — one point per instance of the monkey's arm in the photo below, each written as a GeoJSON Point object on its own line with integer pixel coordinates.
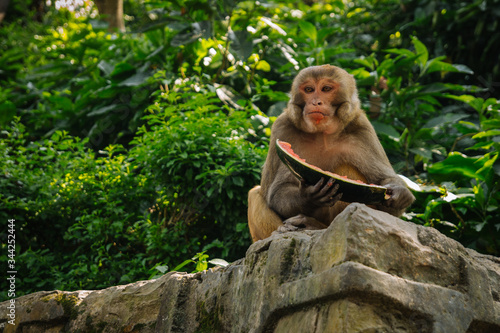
{"type": "Point", "coordinates": [400, 195]}
{"type": "Point", "coordinates": [375, 165]}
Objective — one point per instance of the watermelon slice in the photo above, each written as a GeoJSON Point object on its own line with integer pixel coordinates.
{"type": "Point", "coordinates": [353, 190]}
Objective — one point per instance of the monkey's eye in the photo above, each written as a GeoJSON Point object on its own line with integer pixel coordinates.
{"type": "Point", "coordinates": [308, 89]}
{"type": "Point", "coordinates": [326, 89]}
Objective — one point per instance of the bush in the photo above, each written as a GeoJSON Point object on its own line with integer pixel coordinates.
{"type": "Point", "coordinates": [87, 220]}
{"type": "Point", "coordinates": [199, 150]}
{"type": "Point", "coordinates": [74, 211]}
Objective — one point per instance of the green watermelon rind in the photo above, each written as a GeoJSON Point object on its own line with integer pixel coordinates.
{"type": "Point", "coordinates": [351, 190]}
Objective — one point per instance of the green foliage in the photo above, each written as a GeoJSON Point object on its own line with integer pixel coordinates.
{"type": "Point", "coordinates": [79, 80]}
{"type": "Point", "coordinates": [74, 211]}
{"type": "Point", "coordinates": [124, 154]}
{"type": "Point", "coordinates": [411, 111]}
{"type": "Point", "coordinates": [199, 149]}
{"type": "Point", "coordinates": [476, 180]}
{"type": "Point", "coordinates": [464, 31]}
{"type": "Point", "coordinates": [201, 261]}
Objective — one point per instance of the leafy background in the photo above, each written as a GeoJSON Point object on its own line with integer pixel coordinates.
{"type": "Point", "coordinates": [126, 155]}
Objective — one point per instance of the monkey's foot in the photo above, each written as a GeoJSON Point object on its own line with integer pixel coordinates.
{"type": "Point", "coordinates": [300, 222]}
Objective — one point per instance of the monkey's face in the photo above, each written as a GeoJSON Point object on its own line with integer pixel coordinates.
{"type": "Point", "coordinates": [319, 104]}
{"type": "Point", "coordinates": [324, 99]}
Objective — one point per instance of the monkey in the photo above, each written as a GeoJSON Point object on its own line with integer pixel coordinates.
{"type": "Point", "coordinates": [325, 125]}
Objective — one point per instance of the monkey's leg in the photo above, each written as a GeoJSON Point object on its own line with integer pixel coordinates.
{"type": "Point", "coordinates": [262, 220]}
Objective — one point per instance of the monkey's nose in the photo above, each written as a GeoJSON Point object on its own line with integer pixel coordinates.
{"type": "Point", "coordinates": [317, 102]}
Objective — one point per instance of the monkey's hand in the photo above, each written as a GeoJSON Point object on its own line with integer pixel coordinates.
{"type": "Point", "coordinates": [300, 222]}
{"type": "Point", "coordinates": [401, 197]}
{"type": "Point", "coordinates": [320, 194]}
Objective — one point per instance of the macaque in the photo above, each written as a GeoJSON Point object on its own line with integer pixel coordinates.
{"type": "Point", "coordinates": [326, 126]}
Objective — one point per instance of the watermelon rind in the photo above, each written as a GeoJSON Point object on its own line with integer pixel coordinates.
{"type": "Point", "coordinates": [351, 190]}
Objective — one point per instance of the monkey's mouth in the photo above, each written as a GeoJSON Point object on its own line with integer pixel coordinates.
{"type": "Point", "coordinates": [316, 113]}
{"type": "Point", "coordinates": [316, 116]}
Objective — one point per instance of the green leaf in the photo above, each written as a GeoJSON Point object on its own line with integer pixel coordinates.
{"type": "Point", "coordinates": [162, 269]}
{"type": "Point", "coordinates": [486, 134]}
{"type": "Point", "coordinates": [238, 181]}
{"type": "Point", "coordinates": [404, 52]}
{"type": "Point", "coordinates": [7, 112]}
{"type": "Point", "coordinates": [455, 167]}
{"type": "Point", "coordinates": [201, 266]}
{"type": "Point", "coordinates": [184, 263]}
{"type": "Point", "coordinates": [219, 262]}
{"type": "Point", "coordinates": [241, 44]}
{"type": "Point", "coordinates": [263, 66]}
{"type": "Point", "coordinates": [475, 102]}
{"type": "Point", "coordinates": [480, 226]}
{"type": "Point", "coordinates": [106, 67]}
{"type": "Point", "coordinates": [436, 65]}
{"type": "Point", "coordinates": [466, 127]}
{"type": "Point", "coordinates": [463, 69]}
{"type": "Point", "coordinates": [102, 110]}
{"type": "Point", "coordinates": [62, 102]}
{"type": "Point", "coordinates": [386, 129]}
{"type": "Point", "coordinates": [421, 50]}
{"type": "Point", "coordinates": [325, 32]}
{"type": "Point", "coordinates": [424, 152]}
{"type": "Point", "coordinates": [490, 124]}
{"type": "Point", "coordinates": [122, 68]}
{"type": "Point", "coordinates": [135, 80]}
{"type": "Point", "coordinates": [444, 119]}
{"type": "Point", "coordinates": [309, 30]}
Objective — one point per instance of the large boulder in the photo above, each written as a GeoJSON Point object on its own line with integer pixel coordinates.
{"type": "Point", "coordinates": [368, 272]}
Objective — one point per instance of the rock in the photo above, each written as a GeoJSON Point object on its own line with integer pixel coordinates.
{"type": "Point", "coordinates": [368, 272]}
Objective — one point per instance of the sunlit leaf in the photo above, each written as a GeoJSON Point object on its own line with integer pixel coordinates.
{"type": "Point", "coordinates": [263, 66]}
{"type": "Point", "coordinates": [490, 124]}
{"type": "Point", "coordinates": [219, 262]}
{"type": "Point", "coordinates": [486, 134]}
{"type": "Point", "coordinates": [309, 29]}
{"type": "Point", "coordinates": [474, 102]}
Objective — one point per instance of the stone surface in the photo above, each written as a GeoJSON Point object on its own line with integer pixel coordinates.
{"type": "Point", "coordinates": [368, 272]}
